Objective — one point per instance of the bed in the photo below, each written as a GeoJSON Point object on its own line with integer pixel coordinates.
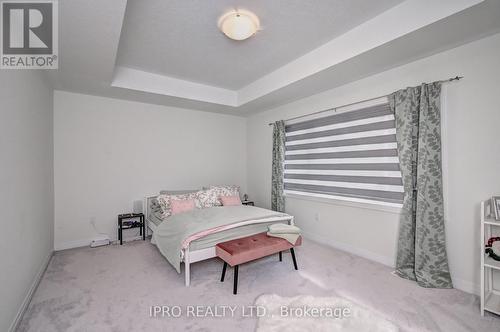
{"type": "Point", "coordinates": [191, 237]}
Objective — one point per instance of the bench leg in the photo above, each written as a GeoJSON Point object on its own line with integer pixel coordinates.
{"type": "Point", "coordinates": [235, 286]}
{"type": "Point", "coordinates": [294, 260]}
{"type": "Point", "coordinates": [223, 272]}
{"type": "Point", "coordinates": [281, 256]}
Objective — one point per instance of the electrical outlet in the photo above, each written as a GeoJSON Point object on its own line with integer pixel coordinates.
{"type": "Point", "coordinates": [92, 221]}
{"type": "Point", "coordinates": [316, 216]}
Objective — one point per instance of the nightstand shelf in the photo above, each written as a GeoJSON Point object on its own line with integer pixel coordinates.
{"type": "Point", "coordinates": [491, 263]}
{"type": "Point", "coordinates": [141, 224]}
{"type": "Point", "coordinates": [492, 222]}
{"type": "Point", "coordinates": [492, 303]}
{"type": "Point", "coordinates": [490, 297]}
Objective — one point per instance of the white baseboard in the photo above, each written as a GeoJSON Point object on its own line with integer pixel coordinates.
{"type": "Point", "coordinates": [72, 244]}
{"type": "Point", "coordinates": [463, 285]}
{"type": "Point", "coordinates": [31, 291]}
{"type": "Point", "coordinates": [86, 243]}
{"type": "Point", "coordinates": [388, 261]}
{"type": "Point", "coordinates": [466, 286]}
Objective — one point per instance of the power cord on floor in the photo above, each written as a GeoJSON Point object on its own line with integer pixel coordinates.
{"type": "Point", "coordinates": [92, 222]}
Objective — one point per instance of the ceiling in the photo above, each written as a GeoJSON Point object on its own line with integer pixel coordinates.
{"type": "Point", "coordinates": [181, 39]}
{"type": "Point", "coordinates": [171, 52]}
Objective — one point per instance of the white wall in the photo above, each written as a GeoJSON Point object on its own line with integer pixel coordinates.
{"type": "Point", "coordinates": [472, 145]}
{"type": "Point", "coordinates": [26, 187]}
{"type": "Point", "coordinates": [109, 153]}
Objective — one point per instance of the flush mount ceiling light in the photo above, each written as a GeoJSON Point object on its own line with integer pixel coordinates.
{"type": "Point", "coordinates": [239, 25]}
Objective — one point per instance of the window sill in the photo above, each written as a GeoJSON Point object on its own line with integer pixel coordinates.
{"type": "Point", "coordinates": [392, 208]}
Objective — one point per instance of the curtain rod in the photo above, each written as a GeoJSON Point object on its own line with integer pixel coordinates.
{"type": "Point", "coordinates": [456, 78]}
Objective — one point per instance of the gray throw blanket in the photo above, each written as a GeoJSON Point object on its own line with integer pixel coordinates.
{"type": "Point", "coordinates": [288, 232]}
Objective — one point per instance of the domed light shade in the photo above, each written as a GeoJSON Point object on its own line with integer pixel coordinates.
{"type": "Point", "coordinates": [239, 25]}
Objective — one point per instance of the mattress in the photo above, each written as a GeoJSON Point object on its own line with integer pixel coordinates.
{"type": "Point", "coordinates": [203, 228]}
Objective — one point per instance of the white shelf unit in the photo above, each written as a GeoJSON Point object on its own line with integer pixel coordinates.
{"type": "Point", "coordinates": [490, 297]}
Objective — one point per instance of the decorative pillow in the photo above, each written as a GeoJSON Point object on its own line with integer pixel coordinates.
{"type": "Point", "coordinates": [154, 205]}
{"type": "Point", "coordinates": [165, 202]}
{"type": "Point", "coordinates": [230, 200]}
{"type": "Point", "coordinates": [206, 198]}
{"type": "Point", "coordinates": [228, 190]}
{"type": "Point", "coordinates": [155, 208]}
{"type": "Point", "coordinates": [181, 205]}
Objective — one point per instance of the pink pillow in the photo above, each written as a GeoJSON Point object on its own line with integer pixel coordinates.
{"type": "Point", "coordinates": [230, 200]}
{"type": "Point", "coordinates": [181, 205]}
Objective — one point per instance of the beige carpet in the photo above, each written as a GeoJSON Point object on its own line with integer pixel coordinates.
{"type": "Point", "coordinates": [112, 289]}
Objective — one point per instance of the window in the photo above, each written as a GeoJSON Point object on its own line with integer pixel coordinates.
{"type": "Point", "coordinates": [349, 156]}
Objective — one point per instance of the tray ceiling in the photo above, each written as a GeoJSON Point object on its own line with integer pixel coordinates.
{"type": "Point", "coordinates": [180, 39]}
{"type": "Point", "coordinates": [171, 52]}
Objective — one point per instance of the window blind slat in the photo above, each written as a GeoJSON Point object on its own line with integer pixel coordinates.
{"type": "Point", "coordinates": [345, 142]}
{"type": "Point", "coordinates": [352, 154]}
{"type": "Point", "coordinates": [371, 133]}
{"type": "Point", "coordinates": [344, 154]}
{"type": "Point", "coordinates": [341, 131]}
{"type": "Point", "coordinates": [353, 198]}
{"type": "Point", "coordinates": [347, 166]}
{"type": "Point", "coordinates": [368, 112]}
{"type": "Point", "coordinates": [367, 160]}
{"type": "Point", "coordinates": [341, 178]}
{"type": "Point", "coordinates": [366, 147]}
{"type": "Point", "coordinates": [390, 174]}
{"type": "Point", "coordinates": [362, 193]}
{"type": "Point", "coordinates": [353, 185]}
{"type": "Point", "coordinates": [343, 125]}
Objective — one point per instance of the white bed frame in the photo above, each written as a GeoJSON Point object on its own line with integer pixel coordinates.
{"type": "Point", "coordinates": [192, 256]}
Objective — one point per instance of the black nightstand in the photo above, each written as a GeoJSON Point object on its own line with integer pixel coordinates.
{"type": "Point", "coordinates": [248, 203]}
{"type": "Point", "coordinates": [141, 224]}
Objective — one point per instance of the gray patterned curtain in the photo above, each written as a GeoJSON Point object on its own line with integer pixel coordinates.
{"type": "Point", "coordinates": [421, 254]}
{"type": "Point", "coordinates": [277, 195]}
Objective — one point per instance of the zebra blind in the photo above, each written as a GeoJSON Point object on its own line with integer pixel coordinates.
{"type": "Point", "coordinates": [350, 156]}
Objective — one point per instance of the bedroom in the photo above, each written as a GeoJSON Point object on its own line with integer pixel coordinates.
{"type": "Point", "coordinates": [152, 96]}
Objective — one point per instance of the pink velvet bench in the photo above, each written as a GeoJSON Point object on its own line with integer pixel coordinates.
{"type": "Point", "coordinates": [246, 249]}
